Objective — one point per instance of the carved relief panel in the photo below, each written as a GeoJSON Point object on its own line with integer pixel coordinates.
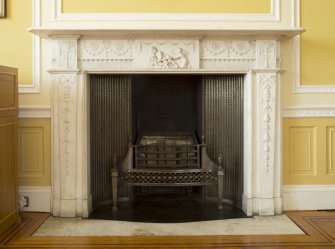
{"type": "Point", "coordinates": [266, 54]}
{"type": "Point", "coordinates": [64, 54]}
{"type": "Point", "coordinates": [105, 55]}
{"type": "Point", "coordinates": [166, 54]}
{"type": "Point", "coordinates": [105, 49]}
{"type": "Point", "coordinates": [227, 54]}
{"type": "Point", "coordinates": [163, 54]}
{"type": "Point", "coordinates": [227, 49]}
{"type": "Point", "coordinates": [266, 83]}
{"type": "Point", "coordinates": [67, 124]}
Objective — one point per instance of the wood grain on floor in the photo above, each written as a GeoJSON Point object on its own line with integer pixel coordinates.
{"type": "Point", "coordinates": [318, 226]}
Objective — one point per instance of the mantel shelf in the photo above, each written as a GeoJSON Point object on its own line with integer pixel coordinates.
{"type": "Point", "coordinates": [257, 33]}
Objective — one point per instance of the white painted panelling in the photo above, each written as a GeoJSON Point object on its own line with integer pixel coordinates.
{"type": "Point", "coordinates": [309, 197]}
{"type": "Point", "coordinates": [309, 112]}
{"type": "Point", "coordinates": [39, 198]}
{"type": "Point", "coordinates": [34, 112]}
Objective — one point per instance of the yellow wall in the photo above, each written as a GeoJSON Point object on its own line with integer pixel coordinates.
{"type": "Point", "coordinates": [34, 152]}
{"type": "Point", "coordinates": [309, 151]}
{"type": "Point", "coordinates": [16, 42]}
{"type": "Point", "coordinates": [166, 6]}
{"type": "Point", "coordinates": [318, 42]}
{"type": "Point", "coordinates": [309, 144]}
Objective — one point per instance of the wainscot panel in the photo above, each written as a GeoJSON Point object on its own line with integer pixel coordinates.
{"type": "Point", "coordinates": [34, 152]}
{"type": "Point", "coordinates": [309, 151]}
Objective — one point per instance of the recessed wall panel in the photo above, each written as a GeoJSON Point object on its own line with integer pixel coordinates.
{"type": "Point", "coordinates": [317, 44]}
{"type": "Point", "coordinates": [31, 151]}
{"type": "Point", "coordinates": [302, 149]}
{"type": "Point", "coordinates": [34, 152]}
{"type": "Point", "coordinates": [308, 151]}
{"type": "Point", "coordinates": [331, 150]}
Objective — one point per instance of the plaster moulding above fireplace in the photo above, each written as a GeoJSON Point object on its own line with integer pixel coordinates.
{"type": "Point", "coordinates": [58, 15]}
{"type": "Point", "coordinates": [77, 53]}
{"type": "Point", "coordinates": [45, 32]}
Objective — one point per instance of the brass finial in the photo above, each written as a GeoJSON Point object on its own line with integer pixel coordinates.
{"type": "Point", "coordinates": [203, 139]}
{"type": "Point", "coordinates": [130, 140]}
{"type": "Point", "coordinates": [114, 162]}
{"type": "Point", "coordinates": [220, 158]}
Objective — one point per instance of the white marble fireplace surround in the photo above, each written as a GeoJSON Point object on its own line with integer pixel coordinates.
{"type": "Point", "coordinates": [78, 53]}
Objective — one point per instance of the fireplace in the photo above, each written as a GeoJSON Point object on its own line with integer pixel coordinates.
{"type": "Point", "coordinates": [168, 107]}
{"type": "Point", "coordinates": [78, 54]}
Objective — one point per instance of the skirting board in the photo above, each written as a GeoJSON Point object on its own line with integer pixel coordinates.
{"type": "Point", "coordinates": [39, 198]}
{"type": "Point", "coordinates": [296, 197]}
{"type": "Point", "coordinates": [309, 197]}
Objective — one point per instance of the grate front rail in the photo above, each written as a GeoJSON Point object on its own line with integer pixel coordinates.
{"type": "Point", "coordinates": [167, 157]}
{"type": "Point", "coordinates": [167, 161]}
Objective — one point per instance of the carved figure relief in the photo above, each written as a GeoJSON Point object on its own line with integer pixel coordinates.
{"type": "Point", "coordinates": [162, 60]}
{"type": "Point", "coordinates": [166, 54]}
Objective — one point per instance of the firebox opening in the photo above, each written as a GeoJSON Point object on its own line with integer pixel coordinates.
{"type": "Point", "coordinates": [165, 106]}
{"type": "Point", "coordinates": [124, 107]}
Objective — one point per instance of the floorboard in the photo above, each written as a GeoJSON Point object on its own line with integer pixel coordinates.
{"type": "Point", "coordinates": [319, 227]}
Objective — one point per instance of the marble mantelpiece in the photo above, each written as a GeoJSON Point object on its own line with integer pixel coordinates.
{"type": "Point", "coordinates": [77, 53]}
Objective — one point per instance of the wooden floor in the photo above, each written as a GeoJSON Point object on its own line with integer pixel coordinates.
{"type": "Point", "coordinates": [318, 226]}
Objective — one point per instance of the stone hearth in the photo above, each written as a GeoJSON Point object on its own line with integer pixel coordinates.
{"type": "Point", "coordinates": [254, 53]}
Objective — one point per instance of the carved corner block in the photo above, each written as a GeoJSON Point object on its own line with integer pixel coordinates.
{"type": "Point", "coordinates": [266, 54]}
{"type": "Point", "coordinates": [64, 54]}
